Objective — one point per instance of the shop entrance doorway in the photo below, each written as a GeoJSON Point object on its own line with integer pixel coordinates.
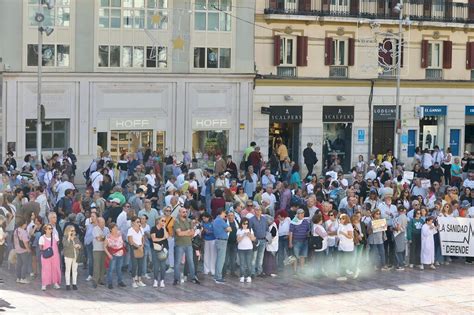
{"type": "Point", "coordinates": [383, 136]}
{"type": "Point", "coordinates": [289, 134]}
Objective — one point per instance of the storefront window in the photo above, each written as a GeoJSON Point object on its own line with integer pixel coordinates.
{"type": "Point", "coordinates": [208, 143]}
{"type": "Point", "coordinates": [432, 132]}
{"type": "Point", "coordinates": [337, 145]}
{"type": "Point", "coordinates": [129, 141]}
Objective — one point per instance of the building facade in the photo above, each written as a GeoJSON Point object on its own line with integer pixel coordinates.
{"type": "Point", "coordinates": [126, 74]}
{"type": "Point", "coordinates": [326, 74]}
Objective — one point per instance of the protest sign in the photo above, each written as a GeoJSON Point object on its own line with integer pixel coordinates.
{"type": "Point", "coordinates": [456, 236]}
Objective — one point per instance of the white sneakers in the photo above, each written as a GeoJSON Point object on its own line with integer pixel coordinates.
{"type": "Point", "coordinates": [242, 279]}
{"type": "Point", "coordinates": [134, 284]}
{"type": "Point", "coordinates": [43, 288]}
{"type": "Point", "coordinates": [24, 281]}
{"type": "Point", "coordinates": [249, 279]}
{"type": "Point", "coordinates": [146, 276]}
{"type": "Point", "coordinates": [341, 278]}
{"type": "Point", "coordinates": [89, 278]}
{"type": "Point", "coordinates": [141, 284]}
{"type": "Point", "coordinates": [56, 286]}
{"type": "Point", "coordinates": [155, 283]}
{"type": "Point", "coordinates": [162, 283]}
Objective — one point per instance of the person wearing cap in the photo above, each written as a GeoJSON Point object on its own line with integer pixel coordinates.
{"type": "Point", "coordinates": [310, 158]}
{"type": "Point", "coordinates": [113, 211]}
{"type": "Point", "coordinates": [298, 239]}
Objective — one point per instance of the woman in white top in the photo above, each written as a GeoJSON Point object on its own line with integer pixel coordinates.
{"type": "Point", "coordinates": [320, 253]}
{"type": "Point", "coordinates": [331, 227]}
{"type": "Point", "coordinates": [345, 233]}
{"type": "Point", "coordinates": [245, 237]}
{"type": "Point", "coordinates": [427, 243]}
{"type": "Point", "coordinates": [135, 238]}
{"type": "Point", "coordinates": [448, 160]}
{"type": "Point", "coordinates": [151, 178]}
{"type": "Point", "coordinates": [361, 166]}
{"type": "Point", "coordinates": [283, 232]}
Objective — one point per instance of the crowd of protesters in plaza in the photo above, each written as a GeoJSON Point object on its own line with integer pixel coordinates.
{"type": "Point", "coordinates": [148, 220]}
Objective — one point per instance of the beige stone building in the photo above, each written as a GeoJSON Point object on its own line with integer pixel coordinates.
{"type": "Point", "coordinates": [327, 75]}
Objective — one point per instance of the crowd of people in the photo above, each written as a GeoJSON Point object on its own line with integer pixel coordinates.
{"type": "Point", "coordinates": [145, 221]}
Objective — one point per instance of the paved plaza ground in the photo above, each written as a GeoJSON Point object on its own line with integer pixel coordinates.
{"type": "Point", "coordinates": [448, 290]}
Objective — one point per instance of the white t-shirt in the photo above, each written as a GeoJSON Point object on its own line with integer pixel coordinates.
{"type": "Point", "coordinates": [331, 226]}
{"type": "Point", "coordinates": [46, 240]}
{"type": "Point", "coordinates": [345, 244]}
{"type": "Point", "coordinates": [245, 243]}
{"type": "Point", "coordinates": [96, 178]}
{"type": "Point", "coordinates": [136, 236]}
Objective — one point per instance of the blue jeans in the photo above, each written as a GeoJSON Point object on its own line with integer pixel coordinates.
{"type": "Point", "coordinates": [146, 258]}
{"type": "Point", "coordinates": [221, 249]}
{"type": "Point", "coordinates": [187, 251]}
{"type": "Point", "coordinates": [245, 259]}
{"type": "Point", "coordinates": [159, 266]}
{"type": "Point", "coordinates": [231, 258]}
{"type": "Point", "coordinates": [122, 176]}
{"type": "Point", "coordinates": [22, 262]}
{"type": "Point", "coordinates": [115, 266]}
{"type": "Point", "coordinates": [208, 203]}
{"type": "Point", "coordinates": [378, 254]}
{"type": "Point", "coordinates": [400, 256]}
{"type": "Point", "coordinates": [90, 259]}
{"type": "Point", "coordinates": [257, 261]}
{"type": "Point", "coordinates": [282, 250]}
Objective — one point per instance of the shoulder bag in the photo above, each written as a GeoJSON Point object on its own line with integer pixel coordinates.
{"type": "Point", "coordinates": [48, 252]}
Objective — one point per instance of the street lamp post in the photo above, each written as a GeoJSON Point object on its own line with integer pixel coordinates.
{"type": "Point", "coordinates": [398, 126]}
{"type": "Point", "coordinates": [39, 18]}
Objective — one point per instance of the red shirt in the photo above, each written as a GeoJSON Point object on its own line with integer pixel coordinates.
{"type": "Point", "coordinates": [76, 207]}
{"type": "Point", "coordinates": [216, 203]}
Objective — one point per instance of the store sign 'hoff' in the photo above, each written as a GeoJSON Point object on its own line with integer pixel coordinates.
{"type": "Point", "coordinates": [338, 113]}
{"type": "Point", "coordinates": [286, 114]}
{"type": "Point", "coordinates": [210, 124]}
{"type": "Point", "coordinates": [131, 124]}
{"type": "Point", "coordinates": [457, 236]}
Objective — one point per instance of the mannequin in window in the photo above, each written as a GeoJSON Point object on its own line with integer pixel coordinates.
{"type": "Point", "coordinates": [428, 140]}
{"type": "Point", "coordinates": [338, 144]}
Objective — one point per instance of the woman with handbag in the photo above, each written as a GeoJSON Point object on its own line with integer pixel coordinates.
{"type": "Point", "coordinates": [159, 238]}
{"type": "Point", "coordinates": [135, 238]}
{"type": "Point", "coordinates": [271, 248]}
{"type": "Point", "coordinates": [50, 265]}
{"type": "Point", "coordinates": [115, 251]}
{"type": "Point", "coordinates": [23, 251]}
{"type": "Point", "coordinates": [71, 247]}
{"type": "Point", "coordinates": [319, 251]}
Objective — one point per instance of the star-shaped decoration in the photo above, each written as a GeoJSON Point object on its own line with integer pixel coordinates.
{"type": "Point", "coordinates": [155, 19]}
{"type": "Point", "coordinates": [178, 43]}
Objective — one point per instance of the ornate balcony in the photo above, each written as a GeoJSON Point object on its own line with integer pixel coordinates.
{"type": "Point", "coordinates": [416, 10]}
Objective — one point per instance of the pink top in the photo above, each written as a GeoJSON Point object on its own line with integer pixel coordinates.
{"type": "Point", "coordinates": [115, 243]}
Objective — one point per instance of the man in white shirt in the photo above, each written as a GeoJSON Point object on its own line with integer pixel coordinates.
{"type": "Point", "coordinates": [96, 180]}
{"type": "Point", "coordinates": [122, 221]}
{"type": "Point", "coordinates": [469, 181]}
{"type": "Point", "coordinates": [438, 155]}
{"type": "Point", "coordinates": [268, 194]}
{"type": "Point", "coordinates": [418, 190]}
{"type": "Point", "coordinates": [371, 174]}
{"type": "Point", "coordinates": [268, 178]}
{"type": "Point", "coordinates": [63, 186]}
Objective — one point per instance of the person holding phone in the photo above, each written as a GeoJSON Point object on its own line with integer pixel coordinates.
{"type": "Point", "coordinates": [245, 237]}
{"type": "Point", "coordinates": [71, 246]}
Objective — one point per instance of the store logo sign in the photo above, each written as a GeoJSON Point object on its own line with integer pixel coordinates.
{"type": "Point", "coordinates": [208, 124]}
{"type": "Point", "coordinates": [338, 114]}
{"type": "Point", "coordinates": [435, 110]}
{"type": "Point", "coordinates": [469, 110]}
{"type": "Point", "coordinates": [288, 114]}
{"type": "Point", "coordinates": [384, 113]}
{"type": "Point", "coordinates": [130, 124]}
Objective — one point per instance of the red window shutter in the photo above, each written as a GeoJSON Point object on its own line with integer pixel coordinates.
{"type": "Point", "coordinates": [351, 51]}
{"type": "Point", "coordinates": [354, 9]}
{"type": "Point", "coordinates": [381, 7]}
{"type": "Point", "coordinates": [470, 13]}
{"type": "Point", "coordinates": [427, 4]}
{"type": "Point", "coordinates": [304, 5]}
{"type": "Point", "coordinates": [470, 55]}
{"type": "Point", "coordinates": [276, 50]}
{"type": "Point", "coordinates": [447, 54]}
{"type": "Point", "coordinates": [302, 51]}
{"type": "Point", "coordinates": [448, 9]}
{"type": "Point", "coordinates": [325, 5]}
{"type": "Point", "coordinates": [328, 51]}
{"type": "Point", "coordinates": [424, 53]}
{"type": "Point", "coordinates": [273, 4]}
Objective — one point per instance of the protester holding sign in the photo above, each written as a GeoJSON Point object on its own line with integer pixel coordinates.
{"type": "Point", "coordinates": [376, 238]}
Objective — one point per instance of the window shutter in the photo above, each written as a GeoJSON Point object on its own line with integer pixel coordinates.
{"type": "Point", "coordinates": [427, 4]}
{"type": "Point", "coordinates": [424, 53]}
{"type": "Point", "coordinates": [273, 4]}
{"type": "Point", "coordinates": [470, 55]}
{"type": "Point", "coordinates": [302, 51]}
{"type": "Point", "coordinates": [381, 7]}
{"type": "Point", "coordinates": [447, 54]}
{"type": "Point", "coordinates": [470, 13]}
{"type": "Point", "coordinates": [448, 9]}
{"type": "Point", "coordinates": [304, 5]}
{"type": "Point", "coordinates": [351, 51]}
{"type": "Point", "coordinates": [354, 9]}
{"type": "Point", "coordinates": [325, 5]}
{"type": "Point", "coordinates": [328, 51]}
{"type": "Point", "coordinates": [276, 50]}
{"type": "Point", "coordinates": [393, 3]}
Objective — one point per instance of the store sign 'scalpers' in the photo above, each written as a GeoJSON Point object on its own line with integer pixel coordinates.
{"type": "Point", "coordinates": [338, 114]}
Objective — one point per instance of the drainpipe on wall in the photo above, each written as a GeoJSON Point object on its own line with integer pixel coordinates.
{"type": "Point", "coordinates": [369, 138]}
